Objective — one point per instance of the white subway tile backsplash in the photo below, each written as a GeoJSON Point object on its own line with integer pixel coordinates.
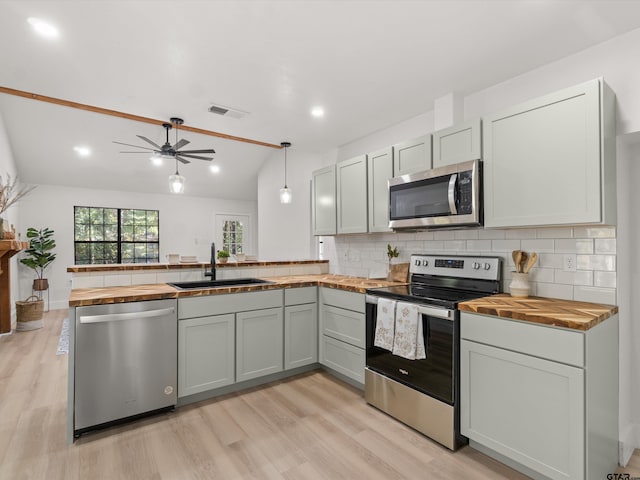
{"type": "Point", "coordinates": [581, 277]}
{"type": "Point", "coordinates": [444, 235]}
{"type": "Point", "coordinates": [191, 275]}
{"type": "Point", "coordinates": [479, 245]}
{"type": "Point", "coordinates": [538, 245]}
{"type": "Point", "coordinates": [595, 294]}
{"type": "Point", "coordinates": [554, 232]}
{"type": "Point", "coordinates": [433, 246]}
{"type": "Point", "coordinates": [117, 280]}
{"type": "Point", "coordinates": [87, 281]}
{"type": "Point", "coordinates": [594, 232]}
{"type": "Point", "coordinates": [605, 245]}
{"type": "Point", "coordinates": [605, 279]}
{"type": "Point", "coordinates": [424, 236]}
{"type": "Point", "coordinates": [455, 245]}
{"type": "Point", "coordinates": [491, 234]}
{"type": "Point", "coordinates": [550, 260]}
{"type": "Point", "coordinates": [554, 290]}
{"type": "Point", "coordinates": [574, 246]}
{"type": "Point", "coordinates": [143, 278]}
{"type": "Point", "coordinates": [596, 262]}
{"type": "Point", "coordinates": [505, 245]}
{"type": "Point", "coordinates": [542, 275]}
{"type": "Point", "coordinates": [466, 234]}
{"type": "Point", "coordinates": [168, 277]}
{"type": "Point", "coordinates": [520, 233]}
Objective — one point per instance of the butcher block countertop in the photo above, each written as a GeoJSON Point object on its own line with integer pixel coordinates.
{"type": "Point", "coordinates": [548, 311]}
{"type": "Point", "coordinates": [105, 295]}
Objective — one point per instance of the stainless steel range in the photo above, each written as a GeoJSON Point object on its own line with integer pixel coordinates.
{"type": "Point", "coordinates": [424, 393]}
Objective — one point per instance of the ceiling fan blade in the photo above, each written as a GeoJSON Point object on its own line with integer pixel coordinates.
{"type": "Point", "coordinates": [181, 143]}
{"type": "Point", "coordinates": [146, 153]}
{"type": "Point", "coordinates": [195, 156]}
{"type": "Point", "coordinates": [149, 142]}
{"type": "Point", "coordinates": [210, 150]}
{"type": "Point", "coordinates": [183, 160]}
{"type": "Point", "coordinates": [136, 146]}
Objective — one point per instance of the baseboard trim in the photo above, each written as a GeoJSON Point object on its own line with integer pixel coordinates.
{"type": "Point", "coordinates": [629, 442]}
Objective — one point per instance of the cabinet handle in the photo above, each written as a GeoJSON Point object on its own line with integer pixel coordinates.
{"type": "Point", "coordinates": [118, 317]}
{"type": "Point", "coordinates": [452, 194]}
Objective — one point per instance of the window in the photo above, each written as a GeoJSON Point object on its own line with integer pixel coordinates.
{"type": "Point", "coordinates": [234, 231]}
{"type": "Point", "coordinates": [115, 235]}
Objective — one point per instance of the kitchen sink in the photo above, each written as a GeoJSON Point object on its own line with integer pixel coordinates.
{"type": "Point", "coordinates": [217, 283]}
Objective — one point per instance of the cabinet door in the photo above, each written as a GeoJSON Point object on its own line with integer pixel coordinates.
{"type": "Point", "coordinates": [205, 354]}
{"type": "Point", "coordinates": [259, 343]}
{"type": "Point", "coordinates": [300, 335]}
{"type": "Point", "coordinates": [457, 144]}
{"type": "Point", "coordinates": [352, 195]}
{"type": "Point", "coordinates": [343, 358]}
{"type": "Point", "coordinates": [528, 409]}
{"type": "Point", "coordinates": [379, 171]}
{"type": "Point", "coordinates": [412, 156]}
{"type": "Point", "coordinates": [323, 211]}
{"type": "Point", "coordinates": [542, 161]}
{"type": "Point", "coordinates": [343, 325]}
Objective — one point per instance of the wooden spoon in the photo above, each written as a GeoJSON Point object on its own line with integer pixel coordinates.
{"type": "Point", "coordinates": [523, 261]}
{"type": "Point", "coordinates": [532, 261]}
{"type": "Point", "coordinates": [517, 258]}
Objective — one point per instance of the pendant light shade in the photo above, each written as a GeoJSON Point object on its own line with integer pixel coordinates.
{"type": "Point", "coordinates": [285, 192]}
{"type": "Point", "coordinates": [176, 181]}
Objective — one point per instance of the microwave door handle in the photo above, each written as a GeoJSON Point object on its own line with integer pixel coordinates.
{"type": "Point", "coordinates": [452, 194]}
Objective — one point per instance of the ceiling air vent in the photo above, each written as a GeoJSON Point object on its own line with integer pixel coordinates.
{"type": "Point", "coordinates": [227, 111]}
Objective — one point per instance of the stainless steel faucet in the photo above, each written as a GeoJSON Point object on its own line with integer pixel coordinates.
{"type": "Point", "coordinates": [212, 273]}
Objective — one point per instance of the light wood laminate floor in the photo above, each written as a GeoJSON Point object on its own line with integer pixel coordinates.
{"type": "Point", "coordinates": [312, 426]}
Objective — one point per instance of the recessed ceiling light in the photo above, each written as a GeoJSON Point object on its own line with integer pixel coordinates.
{"type": "Point", "coordinates": [317, 112]}
{"type": "Point", "coordinates": [214, 169]}
{"type": "Point", "coordinates": [43, 28]}
{"type": "Point", "coordinates": [82, 151]}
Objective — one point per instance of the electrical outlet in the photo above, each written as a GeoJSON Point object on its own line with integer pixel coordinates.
{"type": "Point", "coordinates": [569, 263]}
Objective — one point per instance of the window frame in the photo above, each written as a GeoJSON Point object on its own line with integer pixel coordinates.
{"type": "Point", "coordinates": [245, 219]}
{"type": "Point", "coordinates": [119, 241]}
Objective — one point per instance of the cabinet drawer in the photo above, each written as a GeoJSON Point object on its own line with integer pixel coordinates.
{"type": "Point", "coordinates": [231, 303]}
{"type": "Point", "coordinates": [532, 339]}
{"type": "Point", "coordinates": [343, 358]}
{"type": "Point", "coordinates": [343, 325]}
{"type": "Point", "coordinates": [298, 296]}
{"type": "Point", "coordinates": [342, 299]}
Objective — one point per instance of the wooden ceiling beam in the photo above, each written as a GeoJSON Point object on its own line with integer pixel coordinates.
{"type": "Point", "coordinates": [128, 116]}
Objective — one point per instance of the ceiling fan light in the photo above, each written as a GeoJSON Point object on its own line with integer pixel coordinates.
{"type": "Point", "coordinates": [176, 183]}
{"type": "Point", "coordinates": [156, 160]}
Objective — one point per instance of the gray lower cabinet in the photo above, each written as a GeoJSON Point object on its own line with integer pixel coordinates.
{"type": "Point", "coordinates": [342, 332]}
{"type": "Point", "coordinates": [259, 343]}
{"type": "Point", "coordinates": [543, 398]}
{"type": "Point", "coordinates": [300, 327]}
{"type": "Point", "coordinates": [206, 353]}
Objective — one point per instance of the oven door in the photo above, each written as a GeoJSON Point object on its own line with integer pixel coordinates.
{"type": "Point", "coordinates": [435, 375]}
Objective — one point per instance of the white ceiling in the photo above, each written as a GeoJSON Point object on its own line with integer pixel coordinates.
{"type": "Point", "coordinates": [370, 64]}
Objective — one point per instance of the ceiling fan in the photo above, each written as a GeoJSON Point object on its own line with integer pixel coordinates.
{"type": "Point", "coordinates": [172, 151]}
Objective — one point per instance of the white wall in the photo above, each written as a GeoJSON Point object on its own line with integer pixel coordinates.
{"type": "Point", "coordinates": [187, 226]}
{"type": "Point", "coordinates": [285, 229]}
{"type": "Point", "coordinates": [8, 167]}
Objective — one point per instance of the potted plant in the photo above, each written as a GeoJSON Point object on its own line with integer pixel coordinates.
{"type": "Point", "coordinates": [9, 194]}
{"type": "Point", "coordinates": [39, 255]}
{"type": "Point", "coordinates": [223, 256]}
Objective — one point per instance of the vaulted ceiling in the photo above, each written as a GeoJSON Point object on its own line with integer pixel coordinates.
{"type": "Point", "coordinates": [369, 64]}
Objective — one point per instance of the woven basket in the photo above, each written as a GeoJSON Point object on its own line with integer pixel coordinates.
{"type": "Point", "coordinates": [29, 313]}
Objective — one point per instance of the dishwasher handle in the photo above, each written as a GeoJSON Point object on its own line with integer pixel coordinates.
{"type": "Point", "coordinates": [118, 317]}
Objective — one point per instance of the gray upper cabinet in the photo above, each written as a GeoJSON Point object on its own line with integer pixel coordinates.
{"type": "Point", "coordinates": [412, 156]}
{"type": "Point", "coordinates": [551, 161]}
{"type": "Point", "coordinates": [456, 144]}
{"type": "Point", "coordinates": [379, 171]}
{"type": "Point", "coordinates": [323, 199]}
{"type": "Point", "coordinates": [352, 195]}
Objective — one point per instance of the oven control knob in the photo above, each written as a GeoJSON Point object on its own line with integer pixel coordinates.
{"type": "Point", "coordinates": [476, 266]}
{"type": "Point", "coordinates": [487, 266]}
{"type": "Point", "coordinates": [418, 262]}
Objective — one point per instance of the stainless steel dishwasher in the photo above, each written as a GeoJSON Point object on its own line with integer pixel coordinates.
{"type": "Point", "coordinates": [126, 358]}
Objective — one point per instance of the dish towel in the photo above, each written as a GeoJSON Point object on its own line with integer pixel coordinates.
{"type": "Point", "coordinates": [409, 339]}
{"type": "Point", "coordinates": [385, 323]}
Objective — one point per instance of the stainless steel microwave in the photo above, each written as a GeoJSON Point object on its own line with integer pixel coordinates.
{"type": "Point", "coordinates": [447, 196]}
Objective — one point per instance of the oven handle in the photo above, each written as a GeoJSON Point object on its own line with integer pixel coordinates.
{"type": "Point", "coordinates": [422, 309]}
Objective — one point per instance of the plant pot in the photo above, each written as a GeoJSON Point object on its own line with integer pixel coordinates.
{"type": "Point", "coordinates": [40, 284]}
{"type": "Point", "coordinates": [223, 260]}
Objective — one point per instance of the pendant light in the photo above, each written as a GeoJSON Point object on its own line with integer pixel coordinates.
{"type": "Point", "coordinates": [285, 192]}
{"type": "Point", "coordinates": [176, 181]}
